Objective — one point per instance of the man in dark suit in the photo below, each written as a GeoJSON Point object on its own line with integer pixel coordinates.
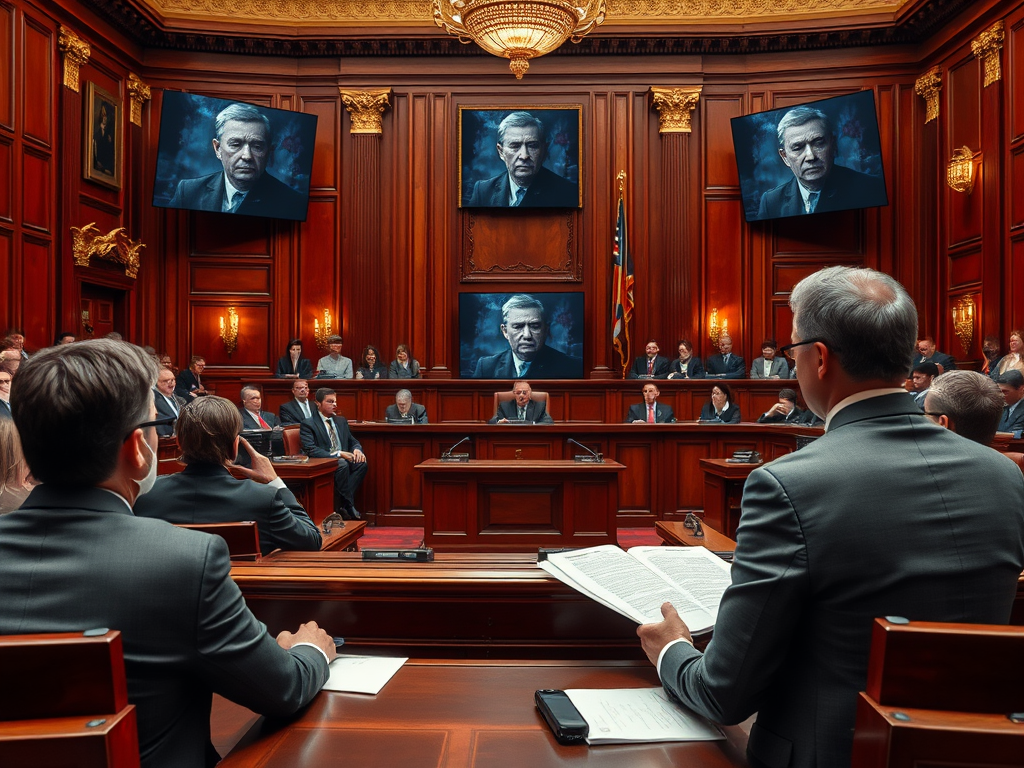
{"type": "Point", "coordinates": [525, 327]}
{"type": "Point", "coordinates": [299, 408]}
{"type": "Point", "coordinates": [1011, 384]}
{"type": "Point", "coordinates": [650, 411]}
{"type": "Point", "coordinates": [651, 365]}
{"type": "Point", "coordinates": [926, 353]}
{"type": "Point", "coordinates": [252, 415]}
{"type": "Point", "coordinates": [807, 145]}
{"type": "Point", "coordinates": [687, 365]}
{"type": "Point", "coordinates": [522, 147]}
{"type": "Point", "coordinates": [205, 492]}
{"type": "Point", "coordinates": [326, 435]}
{"type": "Point", "coordinates": [725, 365]}
{"type": "Point", "coordinates": [784, 411]}
{"type": "Point", "coordinates": [805, 567]}
{"type": "Point", "coordinates": [168, 404]}
{"type": "Point", "coordinates": [243, 145]}
{"type": "Point", "coordinates": [921, 378]}
{"type": "Point", "coordinates": [405, 409]}
{"type": "Point", "coordinates": [190, 382]}
{"type": "Point", "coordinates": [74, 556]}
{"type": "Point", "coordinates": [522, 407]}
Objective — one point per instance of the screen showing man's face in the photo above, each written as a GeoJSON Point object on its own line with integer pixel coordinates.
{"type": "Point", "coordinates": [243, 149]}
{"type": "Point", "coordinates": [809, 152]}
{"type": "Point", "coordinates": [522, 151]}
{"type": "Point", "coordinates": [526, 332]}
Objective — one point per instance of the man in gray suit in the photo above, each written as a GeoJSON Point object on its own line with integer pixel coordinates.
{"type": "Point", "coordinates": [811, 571]}
{"type": "Point", "coordinates": [74, 557]}
{"type": "Point", "coordinates": [405, 409]}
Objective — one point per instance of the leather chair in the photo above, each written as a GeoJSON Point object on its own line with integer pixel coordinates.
{"type": "Point", "coordinates": [535, 396]}
{"type": "Point", "coordinates": [292, 443]}
{"type": "Point", "coordinates": [1016, 457]}
{"type": "Point", "coordinates": [243, 538]}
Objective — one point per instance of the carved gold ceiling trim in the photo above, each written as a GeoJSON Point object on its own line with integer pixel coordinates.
{"type": "Point", "coordinates": [399, 13]}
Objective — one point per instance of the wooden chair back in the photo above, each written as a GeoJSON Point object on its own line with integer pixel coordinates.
{"type": "Point", "coordinates": [292, 442]}
{"type": "Point", "coordinates": [243, 538]}
{"type": "Point", "coordinates": [537, 397]}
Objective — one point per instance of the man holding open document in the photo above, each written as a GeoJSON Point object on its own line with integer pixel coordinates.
{"type": "Point", "coordinates": [881, 516]}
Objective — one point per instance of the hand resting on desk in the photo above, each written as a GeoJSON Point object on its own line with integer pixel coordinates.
{"type": "Point", "coordinates": [309, 633]}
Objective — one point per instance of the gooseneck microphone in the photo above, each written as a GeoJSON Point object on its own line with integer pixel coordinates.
{"type": "Point", "coordinates": [594, 457]}
{"type": "Point", "coordinates": [447, 454]}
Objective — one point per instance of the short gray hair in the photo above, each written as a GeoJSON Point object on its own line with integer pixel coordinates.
{"type": "Point", "coordinates": [250, 388]}
{"type": "Point", "coordinates": [971, 400]}
{"type": "Point", "coordinates": [521, 301]}
{"type": "Point", "coordinates": [802, 116]}
{"type": "Point", "coordinates": [403, 394]}
{"type": "Point", "coordinates": [521, 120]}
{"type": "Point", "coordinates": [243, 113]}
{"type": "Point", "coordinates": [89, 395]}
{"type": "Point", "coordinates": [864, 317]}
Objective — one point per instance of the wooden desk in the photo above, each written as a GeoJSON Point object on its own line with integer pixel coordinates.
{"type": "Point", "coordinates": [723, 492]}
{"type": "Point", "coordinates": [343, 537]}
{"type": "Point", "coordinates": [678, 535]}
{"type": "Point", "coordinates": [445, 714]}
{"type": "Point", "coordinates": [518, 505]}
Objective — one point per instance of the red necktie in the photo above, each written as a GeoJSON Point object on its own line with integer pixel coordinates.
{"type": "Point", "coordinates": [262, 422]}
{"type": "Point", "coordinates": [650, 414]}
{"type": "Point", "coordinates": [650, 366]}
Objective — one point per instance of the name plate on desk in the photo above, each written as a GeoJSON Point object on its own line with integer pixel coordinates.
{"type": "Point", "coordinates": [585, 458]}
{"type": "Point", "coordinates": [456, 457]}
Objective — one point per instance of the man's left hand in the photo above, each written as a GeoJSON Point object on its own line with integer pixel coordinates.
{"type": "Point", "coordinates": [262, 468]}
{"type": "Point", "coordinates": [358, 456]}
{"type": "Point", "coordinates": [654, 637]}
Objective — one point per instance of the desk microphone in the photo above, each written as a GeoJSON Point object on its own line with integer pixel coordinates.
{"type": "Point", "coordinates": [594, 457]}
{"type": "Point", "coordinates": [447, 455]}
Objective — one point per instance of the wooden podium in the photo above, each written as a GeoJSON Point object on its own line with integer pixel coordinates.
{"type": "Point", "coordinates": [518, 505]}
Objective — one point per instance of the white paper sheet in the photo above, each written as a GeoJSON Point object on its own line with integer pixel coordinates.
{"type": "Point", "coordinates": [623, 715]}
{"type": "Point", "coordinates": [362, 674]}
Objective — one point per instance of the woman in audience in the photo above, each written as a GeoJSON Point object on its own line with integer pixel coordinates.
{"type": "Point", "coordinates": [14, 484]}
{"type": "Point", "coordinates": [1013, 360]}
{"type": "Point", "coordinates": [686, 366]}
{"type": "Point", "coordinates": [403, 366]}
{"type": "Point", "coordinates": [293, 365]}
{"type": "Point", "coordinates": [720, 410]}
{"type": "Point", "coordinates": [370, 366]}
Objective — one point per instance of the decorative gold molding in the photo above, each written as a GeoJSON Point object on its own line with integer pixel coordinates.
{"type": "Point", "coordinates": [114, 246]}
{"type": "Point", "coordinates": [927, 87]}
{"type": "Point", "coordinates": [366, 109]}
{"type": "Point", "coordinates": [139, 93]}
{"type": "Point", "coordinates": [986, 47]}
{"type": "Point", "coordinates": [76, 52]}
{"type": "Point", "coordinates": [675, 107]}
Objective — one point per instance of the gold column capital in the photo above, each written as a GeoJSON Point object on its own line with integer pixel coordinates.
{"type": "Point", "coordinates": [675, 107]}
{"type": "Point", "coordinates": [986, 47]}
{"type": "Point", "coordinates": [927, 87]}
{"type": "Point", "coordinates": [366, 109]}
{"type": "Point", "coordinates": [139, 94]}
{"type": "Point", "coordinates": [76, 52]}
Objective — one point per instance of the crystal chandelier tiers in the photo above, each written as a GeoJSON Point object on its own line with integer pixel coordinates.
{"type": "Point", "coordinates": [519, 30]}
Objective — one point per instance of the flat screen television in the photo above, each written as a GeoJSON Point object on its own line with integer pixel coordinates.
{"type": "Point", "coordinates": [827, 157]}
{"type": "Point", "coordinates": [543, 330]}
{"type": "Point", "coordinates": [263, 153]}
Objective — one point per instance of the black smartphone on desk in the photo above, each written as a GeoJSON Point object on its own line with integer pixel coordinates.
{"type": "Point", "coordinates": [562, 717]}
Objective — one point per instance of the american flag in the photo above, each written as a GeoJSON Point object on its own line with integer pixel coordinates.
{"type": "Point", "coordinates": [622, 287]}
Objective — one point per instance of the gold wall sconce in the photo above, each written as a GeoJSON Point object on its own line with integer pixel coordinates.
{"type": "Point", "coordinates": [321, 332]}
{"type": "Point", "coordinates": [960, 170]}
{"type": "Point", "coordinates": [229, 331]}
{"type": "Point", "coordinates": [963, 320]}
{"type": "Point", "coordinates": [717, 328]}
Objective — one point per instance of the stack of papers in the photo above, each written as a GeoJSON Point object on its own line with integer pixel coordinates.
{"type": "Point", "coordinates": [361, 674]}
{"type": "Point", "coordinates": [624, 715]}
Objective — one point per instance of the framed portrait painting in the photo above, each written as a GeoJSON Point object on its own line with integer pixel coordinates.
{"type": "Point", "coordinates": [103, 139]}
{"type": "Point", "coordinates": [520, 157]}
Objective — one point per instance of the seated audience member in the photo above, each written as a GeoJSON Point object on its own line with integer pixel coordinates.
{"type": "Point", "coordinates": [403, 366]}
{"type": "Point", "coordinates": [334, 365]}
{"type": "Point", "coordinates": [1011, 384]}
{"type": "Point", "coordinates": [721, 409]}
{"type": "Point", "coordinates": [5, 393]}
{"type": "Point", "coordinates": [253, 417]}
{"type": "Point", "coordinates": [784, 411]}
{"type": "Point", "coordinates": [405, 409]}
{"type": "Point", "coordinates": [16, 340]}
{"type": "Point", "coordinates": [370, 365]}
{"type": "Point", "coordinates": [166, 362]}
{"type": "Point", "coordinates": [650, 411]}
{"type": "Point", "coordinates": [990, 350]}
{"type": "Point", "coordinates": [768, 365]}
{"type": "Point", "coordinates": [725, 365]}
{"type": "Point", "coordinates": [1012, 360]}
{"type": "Point", "coordinates": [14, 483]}
{"type": "Point", "coordinates": [293, 365]}
{"type": "Point", "coordinates": [64, 337]}
{"type": "Point", "coordinates": [522, 407]}
{"type": "Point", "coordinates": [326, 435]}
{"type": "Point", "coordinates": [190, 381]}
{"type": "Point", "coordinates": [75, 556]}
{"type": "Point", "coordinates": [921, 378]}
{"type": "Point", "coordinates": [650, 365]}
{"type": "Point", "coordinates": [686, 366]}
{"type": "Point", "coordinates": [966, 402]}
{"type": "Point", "coordinates": [810, 419]}
{"type": "Point", "coordinates": [205, 491]}
{"type": "Point", "coordinates": [10, 360]}
{"type": "Point", "coordinates": [926, 353]}
{"type": "Point", "coordinates": [299, 408]}
{"type": "Point", "coordinates": [168, 404]}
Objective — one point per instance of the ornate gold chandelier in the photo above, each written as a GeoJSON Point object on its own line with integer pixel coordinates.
{"type": "Point", "coordinates": [519, 30]}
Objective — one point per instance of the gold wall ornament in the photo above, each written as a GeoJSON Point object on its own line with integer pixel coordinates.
{"type": "Point", "coordinates": [927, 87]}
{"type": "Point", "coordinates": [960, 170]}
{"type": "Point", "coordinates": [114, 246]}
{"type": "Point", "coordinates": [519, 30]}
{"type": "Point", "coordinates": [717, 328]}
{"type": "Point", "coordinates": [229, 331]}
{"type": "Point", "coordinates": [139, 93]}
{"type": "Point", "coordinates": [366, 109]}
{"type": "Point", "coordinates": [963, 320]}
{"type": "Point", "coordinates": [675, 108]}
{"type": "Point", "coordinates": [322, 332]}
{"type": "Point", "coordinates": [76, 52]}
{"type": "Point", "coordinates": [986, 47]}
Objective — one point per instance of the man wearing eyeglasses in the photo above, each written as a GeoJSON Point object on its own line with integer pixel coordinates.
{"type": "Point", "coordinates": [75, 557]}
{"type": "Point", "coordinates": [811, 569]}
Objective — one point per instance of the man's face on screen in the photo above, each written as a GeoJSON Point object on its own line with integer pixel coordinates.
{"type": "Point", "coordinates": [243, 149]}
{"type": "Point", "coordinates": [522, 151]}
{"type": "Point", "coordinates": [526, 332]}
{"type": "Point", "coordinates": [809, 152]}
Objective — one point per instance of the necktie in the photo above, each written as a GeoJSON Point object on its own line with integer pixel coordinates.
{"type": "Point", "coordinates": [236, 201]}
{"type": "Point", "coordinates": [1004, 423]}
{"type": "Point", "coordinates": [524, 370]}
{"type": "Point", "coordinates": [812, 202]}
{"type": "Point", "coordinates": [650, 413]}
{"type": "Point", "coordinates": [520, 193]}
{"type": "Point", "coordinates": [522, 414]}
{"type": "Point", "coordinates": [333, 434]}
{"type": "Point", "coordinates": [305, 408]}
{"type": "Point", "coordinates": [263, 424]}
{"type": "Point", "coordinates": [172, 403]}
{"type": "Point", "coordinates": [5, 407]}
{"type": "Point", "coordinates": [650, 366]}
